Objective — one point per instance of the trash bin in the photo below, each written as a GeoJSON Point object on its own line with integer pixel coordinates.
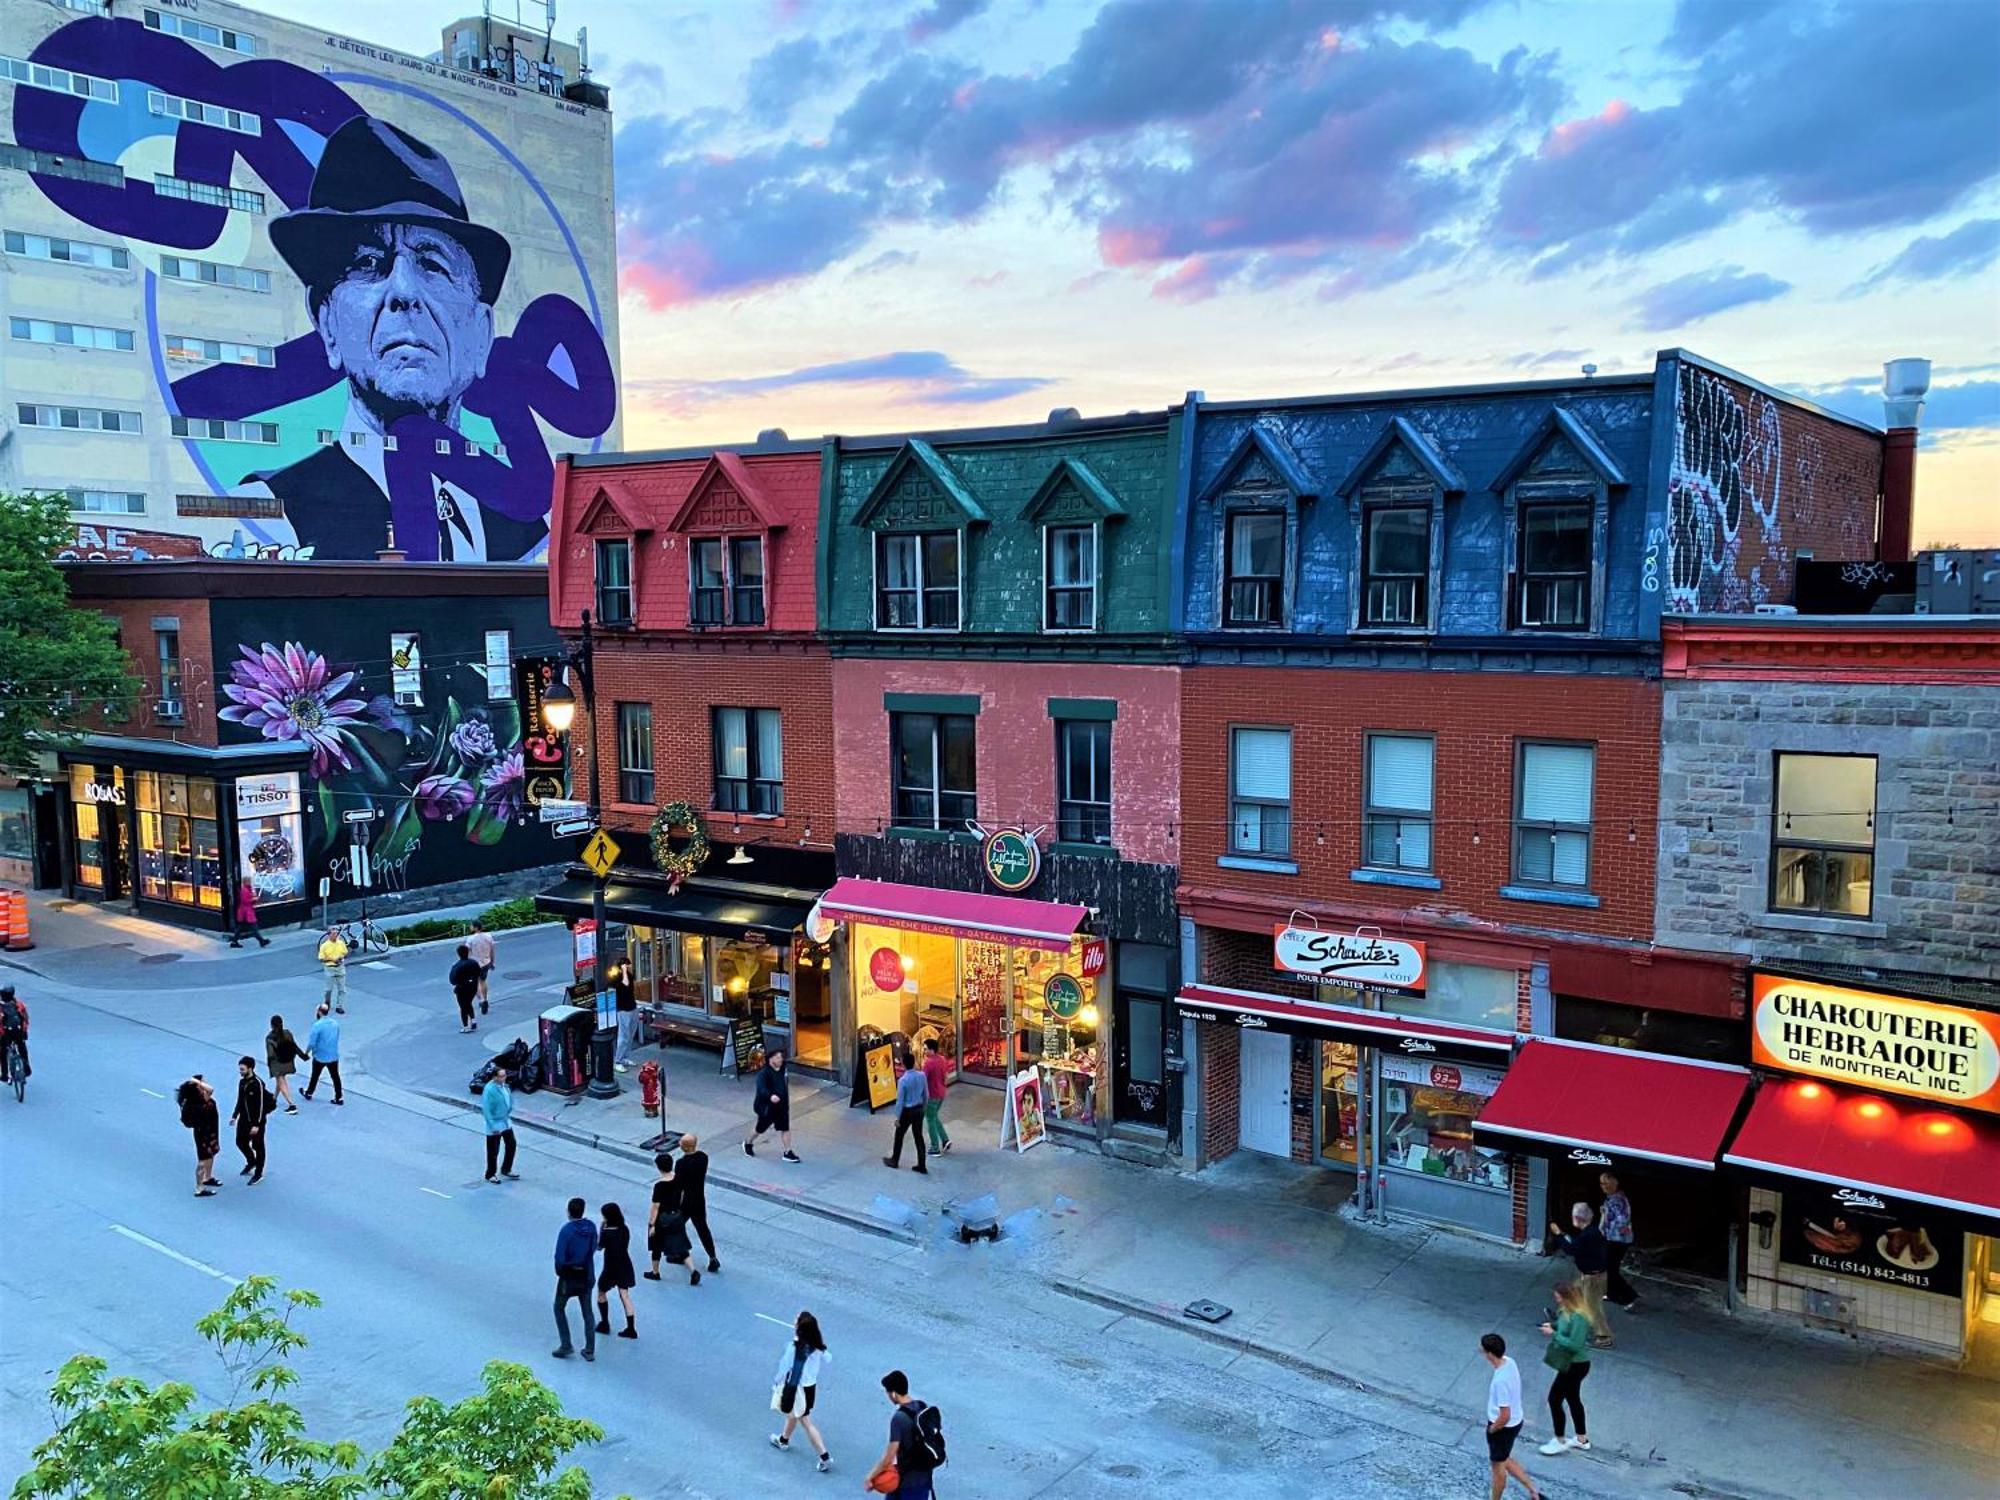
{"type": "Point", "coordinates": [566, 1048]}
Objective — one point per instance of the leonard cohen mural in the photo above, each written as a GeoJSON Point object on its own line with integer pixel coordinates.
{"type": "Point", "coordinates": [423, 371]}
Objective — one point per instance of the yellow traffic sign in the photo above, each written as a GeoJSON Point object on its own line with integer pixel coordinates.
{"type": "Point", "coordinates": [601, 853]}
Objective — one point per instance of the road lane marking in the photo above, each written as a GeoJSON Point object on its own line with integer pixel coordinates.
{"type": "Point", "coordinates": [155, 1094]}
{"type": "Point", "coordinates": [435, 1193]}
{"type": "Point", "coordinates": [172, 1254]}
{"type": "Point", "coordinates": [769, 1319]}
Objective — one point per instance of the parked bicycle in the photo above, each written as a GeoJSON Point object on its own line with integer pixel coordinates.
{"type": "Point", "coordinates": [370, 939]}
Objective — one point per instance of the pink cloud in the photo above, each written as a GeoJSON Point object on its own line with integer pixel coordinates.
{"type": "Point", "coordinates": [1121, 246]}
{"type": "Point", "coordinates": [1572, 134]}
{"type": "Point", "coordinates": [1196, 279]}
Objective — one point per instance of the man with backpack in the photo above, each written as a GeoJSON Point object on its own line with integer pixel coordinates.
{"type": "Point", "coordinates": [916, 1443]}
{"type": "Point", "coordinates": [254, 1103]}
{"type": "Point", "coordinates": [13, 1031]}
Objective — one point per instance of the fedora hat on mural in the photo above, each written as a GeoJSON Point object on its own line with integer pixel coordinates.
{"type": "Point", "coordinates": [372, 173]}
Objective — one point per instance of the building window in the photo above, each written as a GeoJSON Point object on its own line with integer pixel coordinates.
{"type": "Point", "coordinates": [71, 335]}
{"type": "Point", "coordinates": [1260, 791]}
{"type": "Point", "coordinates": [78, 418]}
{"type": "Point", "coordinates": [635, 753]}
{"type": "Point", "coordinates": [1070, 560]}
{"type": "Point", "coordinates": [208, 34]}
{"type": "Point", "coordinates": [254, 507]}
{"type": "Point", "coordinates": [1552, 814]}
{"type": "Point", "coordinates": [1083, 775]}
{"type": "Point", "coordinates": [936, 774]}
{"type": "Point", "coordinates": [916, 580]}
{"type": "Point", "coordinates": [1554, 591]}
{"type": "Point", "coordinates": [708, 583]}
{"type": "Point", "coordinates": [208, 192]}
{"type": "Point", "coordinates": [212, 273]}
{"type": "Point", "coordinates": [217, 430]}
{"type": "Point", "coordinates": [1823, 835]}
{"type": "Point", "coordinates": [1396, 565]}
{"type": "Point", "coordinates": [167, 648]}
{"type": "Point", "coordinates": [193, 347]}
{"type": "Point", "coordinates": [1253, 568]}
{"type": "Point", "coordinates": [48, 164]}
{"type": "Point", "coordinates": [746, 580]}
{"type": "Point", "coordinates": [1396, 810]}
{"type": "Point", "coordinates": [101, 502]}
{"type": "Point", "coordinates": [499, 665]}
{"type": "Point", "coordinates": [749, 761]}
{"type": "Point", "coordinates": [70, 252]}
{"type": "Point", "coordinates": [60, 80]}
{"type": "Point", "coordinates": [614, 582]}
{"type": "Point", "coordinates": [726, 580]}
{"type": "Point", "coordinates": [174, 107]}
{"type": "Point", "coordinates": [180, 851]}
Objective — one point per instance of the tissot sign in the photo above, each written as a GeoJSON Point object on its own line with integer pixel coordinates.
{"type": "Point", "coordinates": [1364, 957]}
{"type": "Point", "coordinates": [1944, 1053]}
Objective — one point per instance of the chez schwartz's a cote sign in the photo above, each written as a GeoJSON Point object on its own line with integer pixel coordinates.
{"type": "Point", "coordinates": [1944, 1053]}
{"type": "Point", "coordinates": [1363, 957]}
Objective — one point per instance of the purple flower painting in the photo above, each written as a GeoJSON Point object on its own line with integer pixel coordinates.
{"type": "Point", "coordinates": [442, 798]}
{"type": "Point", "coordinates": [474, 740]}
{"type": "Point", "coordinates": [292, 694]}
{"type": "Point", "coordinates": [503, 783]}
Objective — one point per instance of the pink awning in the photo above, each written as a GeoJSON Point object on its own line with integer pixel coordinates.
{"type": "Point", "coordinates": [962, 914]}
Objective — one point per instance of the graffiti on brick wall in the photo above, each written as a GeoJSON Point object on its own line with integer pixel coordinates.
{"type": "Point", "coordinates": [1725, 548]}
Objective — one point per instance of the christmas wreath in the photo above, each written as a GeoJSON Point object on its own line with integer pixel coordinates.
{"type": "Point", "coordinates": [678, 864]}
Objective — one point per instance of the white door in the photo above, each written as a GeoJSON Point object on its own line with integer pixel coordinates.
{"type": "Point", "coordinates": [1265, 1088]}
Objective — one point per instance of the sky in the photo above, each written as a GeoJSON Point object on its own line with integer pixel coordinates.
{"type": "Point", "coordinates": [869, 215]}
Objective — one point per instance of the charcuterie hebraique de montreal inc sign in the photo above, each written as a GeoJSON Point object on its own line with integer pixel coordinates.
{"type": "Point", "coordinates": [1944, 1053]}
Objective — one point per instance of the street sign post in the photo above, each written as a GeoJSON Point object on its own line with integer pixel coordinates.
{"type": "Point", "coordinates": [572, 828]}
{"type": "Point", "coordinates": [600, 854]}
{"type": "Point", "coordinates": [562, 809]}
{"type": "Point", "coordinates": [358, 815]}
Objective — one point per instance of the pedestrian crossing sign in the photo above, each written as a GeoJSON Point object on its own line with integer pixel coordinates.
{"type": "Point", "coordinates": [601, 853]}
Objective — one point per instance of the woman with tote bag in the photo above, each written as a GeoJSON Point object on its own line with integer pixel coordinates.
{"type": "Point", "coordinates": [796, 1383]}
{"type": "Point", "coordinates": [1568, 1355]}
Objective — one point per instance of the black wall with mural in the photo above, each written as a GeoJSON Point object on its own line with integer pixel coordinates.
{"type": "Point", "coordinates": [409, 730]}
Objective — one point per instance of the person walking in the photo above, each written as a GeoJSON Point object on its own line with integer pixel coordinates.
{"type": "Point", "coordinates": [614, 1238]}
{"type": "Point", "coordinates": [691, 1173]}
{"type": "Point", "coordinates": [1503, 1418]}
{"type": "Point", "coordinates": [246, 916]}
{"type": "Point", "coordinates": [464, 981]}
{"type": "Point", "coordinates": [666, 1224]}
{"type": "Point", "coordinates": [1614, 1217]}
{"type": "Point", "coordinates": [281, 1051]}
{"type": "Point", "coordinates": [912, 1092]}
{"type": "Point", "coordinates": [795, 1386]}
{"type": "Point", "coordinates": [774, 1106]}
{"type": "Point", "coordinates": [1584, 1244]}
{"type": "Point", "coordinates": [254, 1104]}
{"type": "Point", "coordinates": [937, 1078]}
{"type": "Point", "coordinates": [199, 1114]}
{"type": "Point", "coordinates": [1568, 1355]}
{"type": "Point", "coordinates": [480, 944]}
{"type": "Point", "coordinates": [496, 1110]}
{"type": "Point", "coordinates": [576, 1248]}
{"type": "Point", "coordinates": [333, 960]}
{"type": "Point", "coordinates": [323, 1047]}
{"type": "Point", "coordinates": [909, 1455]}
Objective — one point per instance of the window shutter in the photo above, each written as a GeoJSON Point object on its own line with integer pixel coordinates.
{"type": "Point", "coordinates": [1555, 783]}
{"type": "Point", "coordinates": [1399, 773]}
{"type": "Point", "coordinates": [1263, 764]}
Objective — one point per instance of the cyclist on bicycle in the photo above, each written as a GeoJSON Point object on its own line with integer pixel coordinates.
{"type": "Point", "coordinates": [333, 958]}
{"type": "Point", "coordinates": [13, 1032]}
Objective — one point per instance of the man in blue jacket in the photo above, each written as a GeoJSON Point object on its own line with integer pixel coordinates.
{"type": "Point", "coordinates": [323, 1047]}
{"type": "Point", "coordinates": [496, 1107]}
{"type": "Point", "coordinates": [576, 1249]}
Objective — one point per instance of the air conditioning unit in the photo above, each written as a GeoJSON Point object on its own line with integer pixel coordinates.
{"type": "Point", "coordinates": [169, 708]}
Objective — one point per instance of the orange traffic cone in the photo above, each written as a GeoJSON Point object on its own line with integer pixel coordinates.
{"type": "Point", "coordinates": [17, 921]}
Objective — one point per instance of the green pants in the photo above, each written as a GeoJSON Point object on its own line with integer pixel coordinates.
{"type": "Point", "coordinates": [933, 1126]}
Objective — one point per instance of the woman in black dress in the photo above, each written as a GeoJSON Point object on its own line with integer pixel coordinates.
{"type": "Point", "coordinates": [199, 1114]}
{"type": "Point", "coordinates": [666, 1226]}
{"type": "Point", "coordinates": [614, 1239]}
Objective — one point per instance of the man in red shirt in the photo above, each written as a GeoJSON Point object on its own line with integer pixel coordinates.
{"type": "Point", "coordinates": [13, 1028]}
{"type": "Point", "coordinates": [937, 1078]}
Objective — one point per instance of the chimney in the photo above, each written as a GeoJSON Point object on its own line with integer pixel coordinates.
{"type": "Point", "coordinates": [1904, 382]}
{"type": "Point", "coordinates": [391, 552]}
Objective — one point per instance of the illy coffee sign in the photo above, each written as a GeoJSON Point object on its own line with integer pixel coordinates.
{"type": "Point", "coordinates": [1362, 957]}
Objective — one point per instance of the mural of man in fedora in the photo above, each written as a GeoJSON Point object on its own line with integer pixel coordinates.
{"type": "Point", "coordinates": [401, 284]}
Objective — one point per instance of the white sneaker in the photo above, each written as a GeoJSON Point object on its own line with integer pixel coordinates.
{"type": "Point", "coordinates": [1554, 1446]}
{"type": "Point", "coordinates": [1582, 1444]}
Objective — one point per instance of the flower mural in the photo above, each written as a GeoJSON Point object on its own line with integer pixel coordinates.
{"type": "Point", "coordinates": [504, 786]}
{"type": "Point", "coordinates": [439, 799]}
{"type": "Point", "coordinates": [293, 694]}
{"type": "Point", "coordinates": [474, 741]}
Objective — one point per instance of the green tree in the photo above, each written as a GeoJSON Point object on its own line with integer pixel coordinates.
{"type": "Point", "coordinates": [59, 666]}
{"type": "Point", "coordinates": [117, 1438]}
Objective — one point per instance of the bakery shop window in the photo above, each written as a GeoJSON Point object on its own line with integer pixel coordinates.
{"type": "Point", "coordinates": [1427, 1110]}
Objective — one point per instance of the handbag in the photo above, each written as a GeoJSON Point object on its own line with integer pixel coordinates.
{"type": "Point", "coordinates": [783, 1397]}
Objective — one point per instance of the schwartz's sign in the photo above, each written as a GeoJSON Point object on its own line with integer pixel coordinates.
{"type": "Point", "coordinates": [1362, 957]}
{"type": "Point", "coordinates": [1944, 1053]}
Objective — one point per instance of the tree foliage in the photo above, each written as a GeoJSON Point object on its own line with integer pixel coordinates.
{"type": "Point", "coordinates": [117, 1438]}
{"type": "Point", "coordinates": [59, 666]}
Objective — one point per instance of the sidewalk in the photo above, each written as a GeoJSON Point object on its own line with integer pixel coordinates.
{"type": "Point", "coordinates": [1742, 1405]}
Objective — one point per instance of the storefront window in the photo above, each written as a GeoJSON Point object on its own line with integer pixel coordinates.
{"type": "Point", "coordinates": [180, 845]}
{"type": "Point", "coordinates": [270, 836]}
{"type": "Point", "coordinates": [1463, 994]}
{"type": "Point", "coordinates": [1339, 1102]}
{"type": "Point", "coordinates": [1056, 1025]}
{"type": "Point", "coordinates": [96, 805]}
{"type": "Point", "coordinates": [744, 981]}
{"type": "Point", "coordinates": [1427, 1110]}
{"type": "Point", "coordinates": [15, 840]}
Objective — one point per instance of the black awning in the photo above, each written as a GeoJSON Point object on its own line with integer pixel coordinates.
{"type": "Point", "coordinates": [717, 913]}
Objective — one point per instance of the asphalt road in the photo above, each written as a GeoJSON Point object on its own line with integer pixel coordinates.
{"type": "Point", "coordinates": [427, 1272]}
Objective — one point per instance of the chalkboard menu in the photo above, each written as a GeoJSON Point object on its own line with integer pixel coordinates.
{"type": "Point", "coordinates": [746, 1043]}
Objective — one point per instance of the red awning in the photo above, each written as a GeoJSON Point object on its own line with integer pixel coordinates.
{"type": "Point", "coordinates": [1615, 1102]}
{"type": "Point", "coordinates": [963, 914]}
{"type": "Point", "coordinates": [1853, 1138]}
{"type": "Point", "coordinates": [1409, 1035]}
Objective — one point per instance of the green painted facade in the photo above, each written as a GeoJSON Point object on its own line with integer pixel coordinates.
{"type": "Point", "coordinates": [1000, 490]}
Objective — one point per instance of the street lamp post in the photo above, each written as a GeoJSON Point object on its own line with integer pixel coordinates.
{"type": "Point", "coordinates": [559, 705]}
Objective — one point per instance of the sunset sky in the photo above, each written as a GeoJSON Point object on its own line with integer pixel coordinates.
{"type": "Point", "coordinates": [858, 215]}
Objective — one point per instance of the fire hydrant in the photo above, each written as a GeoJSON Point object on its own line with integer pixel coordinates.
{"type": "Point", "coordinates": [649, 1087]}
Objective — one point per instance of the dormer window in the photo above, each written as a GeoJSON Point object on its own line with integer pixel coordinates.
{"type": "Point", "coordinates": [1254, 569]}
{"type": "Point", "coordinates": [1259, 493]}
{"type": "Point", "coordinates": [1069, 599]}
{"type": "Point", "coordinates": [1398, 490]}
{"type": "Point", "coordinates": [1554, 552]}
{"type": "Point", "coordinates": [614, 581]}
{"type": "Point", "coordinates": [1395, 565]}
{"type": "Point", "coordinates": [917, 580]}
{"type": "Point", "coordinates": [726, 580]}
{"type": "Point", "coordinates": [1556, 501]}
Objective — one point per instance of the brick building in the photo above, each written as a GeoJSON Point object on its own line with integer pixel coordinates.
{"type": "Point", "coordinates": [697, 569]}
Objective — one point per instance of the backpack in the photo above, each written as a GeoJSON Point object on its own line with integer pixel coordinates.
{"type": "Point", "coordinates": [12, 1021]}
{"type": "Point", "coordinates": [923, 1449]}
{"type": "Point", "coordinates": [270, 1102]}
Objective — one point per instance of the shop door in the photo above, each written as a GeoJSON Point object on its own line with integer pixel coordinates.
{"type": "Point", "coordinates": [1265, 1086]}
{"type": "Point", "coordinates": [1139, 1060]}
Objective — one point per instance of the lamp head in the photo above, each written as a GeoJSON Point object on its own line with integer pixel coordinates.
{"type": "Point", "coordinates": [559, 706]}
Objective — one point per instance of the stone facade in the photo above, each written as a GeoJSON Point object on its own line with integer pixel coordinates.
{"type": "Point", "coordinates": [1937, 821]}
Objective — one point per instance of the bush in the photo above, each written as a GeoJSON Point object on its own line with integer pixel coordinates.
{"type": "Point", "coordinates": [505, 917]}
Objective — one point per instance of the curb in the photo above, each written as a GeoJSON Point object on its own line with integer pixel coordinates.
{"type": "Point", "coordinates": [596, 1142]}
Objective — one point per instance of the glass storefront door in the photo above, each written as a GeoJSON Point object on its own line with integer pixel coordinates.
{"type": "Point", "coordinates": [97, 824]}
{"type": "Point", "coordinates": [1139, 1059]}
{"type": "Point", "coordinates": [1340, 1099]}
{"type": "Point", "coordinates": [982, 1017]}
